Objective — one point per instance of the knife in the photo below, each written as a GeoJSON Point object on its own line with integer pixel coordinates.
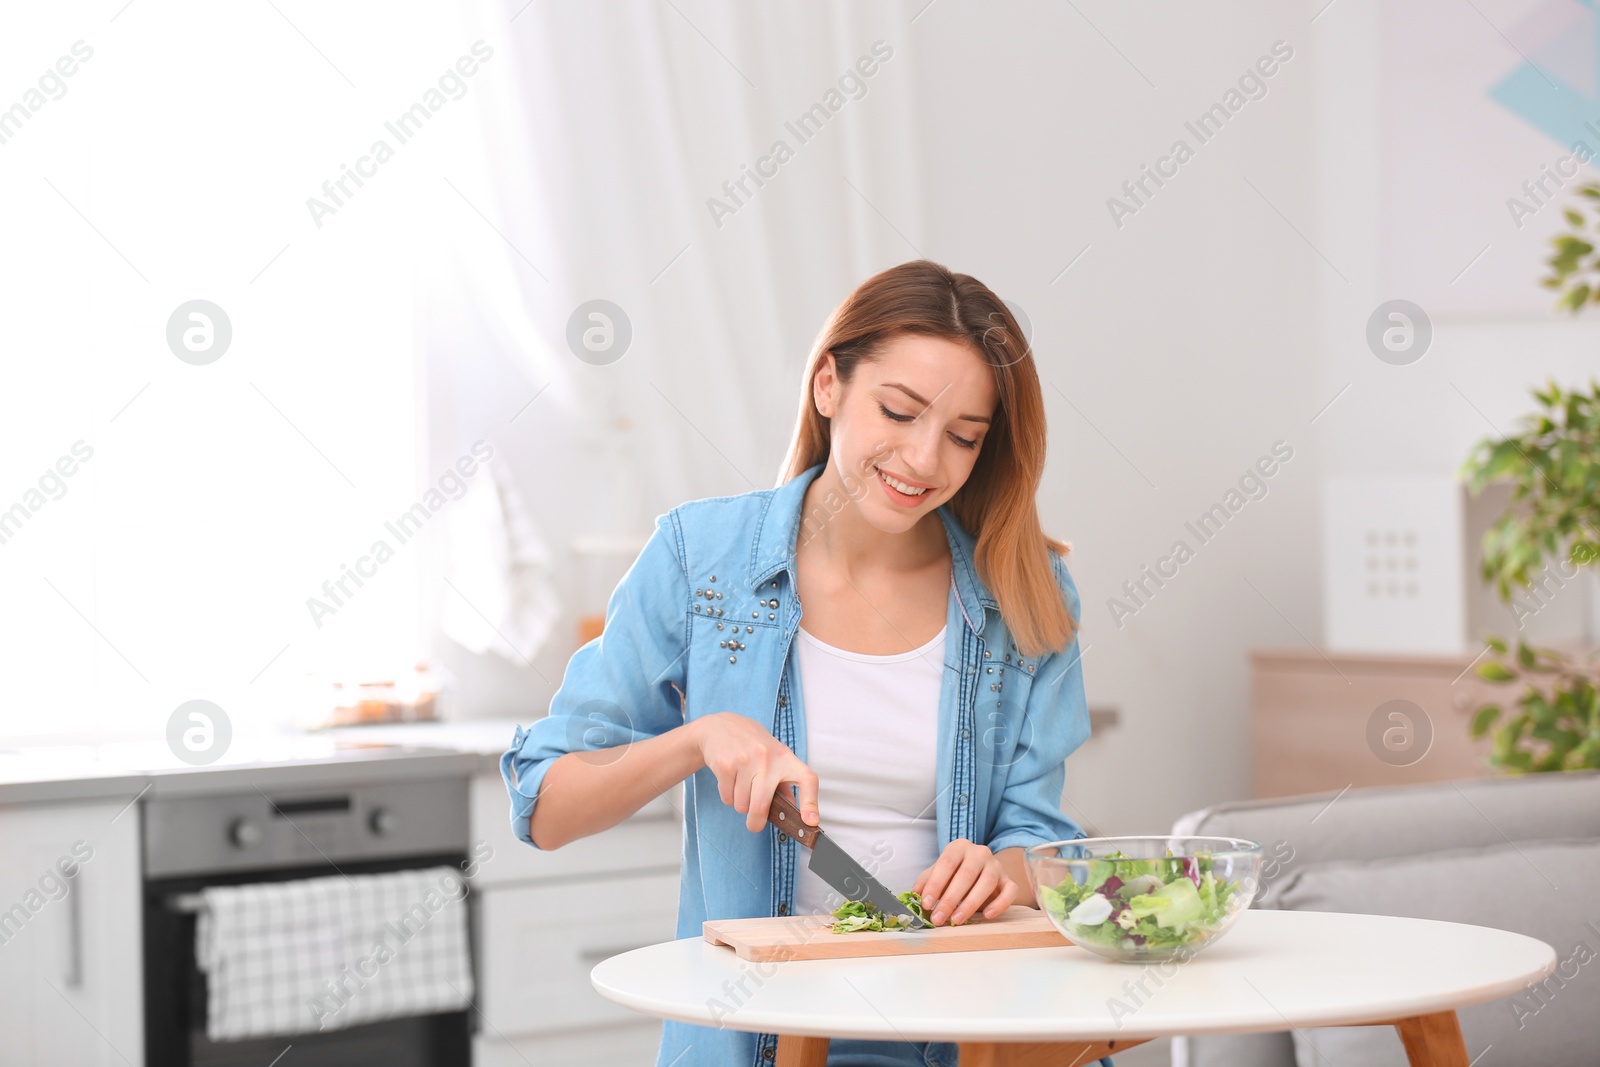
{"type": "Point", "coordinates": [832, 863]}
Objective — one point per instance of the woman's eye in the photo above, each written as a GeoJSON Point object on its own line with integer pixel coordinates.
{"type": "Point", "coordinates": [962, 441]}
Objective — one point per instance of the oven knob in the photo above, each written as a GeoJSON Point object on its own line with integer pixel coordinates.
{"type": "Point", "coordinates": [244, 834]}
{"type": "Point", "coordinates": [383, 822]}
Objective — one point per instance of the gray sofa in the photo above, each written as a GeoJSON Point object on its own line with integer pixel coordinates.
{"type": "Point", "coordinates": [1518, 853]}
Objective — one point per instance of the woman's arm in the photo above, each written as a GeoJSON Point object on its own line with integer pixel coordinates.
{"type": "Point", "coordinates": [587, 791]}
{"type": "Point", "coordinates": [621, 691]}
{"type": "Point", "coordinates": [1055, 722]}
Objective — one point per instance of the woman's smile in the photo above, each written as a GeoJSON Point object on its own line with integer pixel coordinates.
{"type": "Point", "coordinates": [899, 495]}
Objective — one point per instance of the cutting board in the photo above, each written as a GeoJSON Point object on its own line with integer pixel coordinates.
{"type": "Point", "coordinates": [811, 937]}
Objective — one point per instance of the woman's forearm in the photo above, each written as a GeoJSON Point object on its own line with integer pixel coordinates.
{"type": "Point", "coordinates": [591, 790]}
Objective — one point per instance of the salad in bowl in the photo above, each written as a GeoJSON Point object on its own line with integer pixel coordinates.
{"type": "Point", "coordinates": [1144, 899]}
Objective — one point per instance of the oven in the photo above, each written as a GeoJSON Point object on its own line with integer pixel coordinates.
{"type": "Point", "coordinates": [273, 836]}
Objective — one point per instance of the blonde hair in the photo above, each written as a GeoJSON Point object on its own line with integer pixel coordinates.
{"type": "Point", "coordinates": [997, 503]}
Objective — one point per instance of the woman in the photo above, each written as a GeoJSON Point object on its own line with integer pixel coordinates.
{"type": "Point", "coordinates": [924, 702]}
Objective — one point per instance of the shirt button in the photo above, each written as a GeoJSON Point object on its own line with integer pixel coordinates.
{"type": "Point", "coordinates": [961, 798]}
{"type": "Point", "coordinates": [769, 1053]}
{"type": "Point", "coordinates": [965, 732]}
{"type": "Point", "coordinates": [783, 907]}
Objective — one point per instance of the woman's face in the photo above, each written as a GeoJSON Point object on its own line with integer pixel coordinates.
{"type": "Point", "coordinates": [917, 414]}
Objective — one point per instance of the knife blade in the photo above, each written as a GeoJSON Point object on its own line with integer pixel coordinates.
{"type": "Point", "coordinates": [833, 864]}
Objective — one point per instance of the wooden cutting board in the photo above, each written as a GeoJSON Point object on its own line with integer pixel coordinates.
{"type": "Point", "coordinates": [811, 937]}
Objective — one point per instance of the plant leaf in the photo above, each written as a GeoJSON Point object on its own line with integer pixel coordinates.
{"type": "Point", "coordinates": [1484, 719]}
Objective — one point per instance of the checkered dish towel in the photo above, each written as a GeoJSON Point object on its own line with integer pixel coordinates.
{"type": "Point", "coordinates": [326, 953]}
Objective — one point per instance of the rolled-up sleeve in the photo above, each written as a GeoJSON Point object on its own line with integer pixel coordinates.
{"type": "Point", "coordinates": [1055, 722]}
{"type": "Point", "coordinates": [624, 685]}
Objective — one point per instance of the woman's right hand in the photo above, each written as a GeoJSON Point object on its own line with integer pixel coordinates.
{"type": "Point", "coordinates": [751, 765]}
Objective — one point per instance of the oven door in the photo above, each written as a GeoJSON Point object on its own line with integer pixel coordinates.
{"type": "Point", "coordinates": [175, 992]}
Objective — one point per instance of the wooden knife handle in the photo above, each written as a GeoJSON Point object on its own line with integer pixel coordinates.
{"type": "Point", "coordinates": [783, 814]}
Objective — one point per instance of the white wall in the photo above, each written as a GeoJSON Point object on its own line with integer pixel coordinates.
{"type": "Point", "coordinates": [1176, 351]}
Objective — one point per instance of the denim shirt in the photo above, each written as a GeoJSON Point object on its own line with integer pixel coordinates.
{"type": "Point", "coordinates": [704, 621]}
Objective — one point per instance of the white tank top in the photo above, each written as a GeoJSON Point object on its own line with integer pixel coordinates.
{"type": "Point", "coordinates": [872, 725]}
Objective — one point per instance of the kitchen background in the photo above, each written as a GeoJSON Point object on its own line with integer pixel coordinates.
{"type": "Point", "coordinates": [296, 398]}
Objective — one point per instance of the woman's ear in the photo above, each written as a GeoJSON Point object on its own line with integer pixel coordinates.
{"type": "Point", "coordinates": [823, 386]}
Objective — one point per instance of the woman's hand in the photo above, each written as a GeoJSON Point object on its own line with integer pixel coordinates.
{"type": "Point", "coordinates": [750, 765]}
{"type": "Point", "coordinates": [965, 878]}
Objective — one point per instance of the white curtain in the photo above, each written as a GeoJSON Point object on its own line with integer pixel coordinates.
{"type": "Point", "coordinates": [605, 130]}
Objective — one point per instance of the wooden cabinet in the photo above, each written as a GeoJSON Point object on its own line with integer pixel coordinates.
{"type": "Point", "coordinates": [70, 951]}
{"type": "Point", "coordinates": [1327, 721]}
{"type": "Point", "coordinates": [544, 919]}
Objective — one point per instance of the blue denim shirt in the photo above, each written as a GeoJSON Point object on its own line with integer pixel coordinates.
{"type": "Point", "coordinates": [704, 621]}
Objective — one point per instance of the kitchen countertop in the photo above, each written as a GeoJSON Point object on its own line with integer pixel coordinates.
{"type": "Point", "coordinates": [88, 766]}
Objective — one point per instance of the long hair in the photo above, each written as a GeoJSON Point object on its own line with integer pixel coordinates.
{"type": "Point", "coordinates": [996, 505]}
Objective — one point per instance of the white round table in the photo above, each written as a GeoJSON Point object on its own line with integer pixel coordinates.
{"type": "Point", "coordinates": [1275, 970]}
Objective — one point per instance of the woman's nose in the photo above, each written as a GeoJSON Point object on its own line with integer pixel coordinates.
{"type": "Point", "coordinates": [919, 452]}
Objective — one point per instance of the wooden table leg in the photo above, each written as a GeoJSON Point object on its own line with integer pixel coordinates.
{"type": "Point", "coordinates": [796, 1051]}
{"type": "Point", "coordinates": [1433, 1040]}
{"type": "Point", "coordinates": [1039, 1053]}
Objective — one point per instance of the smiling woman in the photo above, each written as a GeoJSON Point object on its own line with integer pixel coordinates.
{"type": "Point", "coordinates": [887, 637]}
{"type": "Point", "coordinates": [947, 388]}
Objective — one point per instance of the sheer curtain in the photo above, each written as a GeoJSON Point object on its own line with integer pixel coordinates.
{"type": "Point", "coordinates": [616, 158]}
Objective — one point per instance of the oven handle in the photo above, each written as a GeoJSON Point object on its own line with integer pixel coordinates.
{"type": "Point", "coordinates": [185, 903]}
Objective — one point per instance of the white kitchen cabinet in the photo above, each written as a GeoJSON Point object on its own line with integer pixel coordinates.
{"type": "Point", "coordinates": [544, 919]}
{"type": "Point", "coordinates": [541, 941]}
{"type": "Point", "coordinates": [70, 951]}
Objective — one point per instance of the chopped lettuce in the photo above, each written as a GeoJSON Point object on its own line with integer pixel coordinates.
{"type": "Point", "coordinates": [855, 915]}
{"type": "Point", "coordinates": [1154, 904]}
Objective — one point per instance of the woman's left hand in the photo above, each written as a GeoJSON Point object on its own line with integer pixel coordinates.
{"type": "Point", "coordinates": [965, 878]}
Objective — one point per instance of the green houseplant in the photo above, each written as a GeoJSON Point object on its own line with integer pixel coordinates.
{"type": "Point", "coordinates": [1553, 466]}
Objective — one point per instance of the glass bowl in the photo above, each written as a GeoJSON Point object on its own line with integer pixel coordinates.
{"type": "Point", "coordinates": [1144, 899]}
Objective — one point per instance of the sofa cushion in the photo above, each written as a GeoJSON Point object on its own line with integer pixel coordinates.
{"type": "Point", "coordinates": [1401, 821]}
{"type": "Point", "coordinates": [1371, 823]}
{"type": "Point", "coordinates": [1545, 889]}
